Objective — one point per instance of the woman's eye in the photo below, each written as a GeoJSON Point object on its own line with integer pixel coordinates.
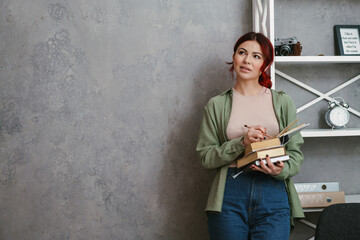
{"type": "Point", "coordinates": [241, 52]}
{"type": "Point", "coordinates": [257, 56]}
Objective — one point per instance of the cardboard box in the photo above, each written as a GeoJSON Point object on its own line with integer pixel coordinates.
{"type": "Point", "coordinates": [320, 199]}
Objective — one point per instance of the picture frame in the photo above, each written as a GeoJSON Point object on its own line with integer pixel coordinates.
{"type": "Point", "coordinates": [347, 40]}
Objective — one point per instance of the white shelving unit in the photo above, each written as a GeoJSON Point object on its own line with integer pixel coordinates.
{"type": "Point", "coordinates": [263, 21]}
{"type": "Point", "coordinates": [321, 60]}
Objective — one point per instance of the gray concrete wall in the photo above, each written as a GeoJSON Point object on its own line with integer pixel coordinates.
{"type": "Point", "coordinates": [100, 104]}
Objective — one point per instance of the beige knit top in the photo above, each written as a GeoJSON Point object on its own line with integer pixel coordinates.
{"type": "Point", "coordinates": [251, 111]}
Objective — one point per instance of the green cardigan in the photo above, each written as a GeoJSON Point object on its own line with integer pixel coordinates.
{"type": "Point", "coordinates": [216, 151]}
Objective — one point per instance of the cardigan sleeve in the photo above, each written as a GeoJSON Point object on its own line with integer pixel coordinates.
{"type": "Point", "coordinates": [291, 167]}
{"type": "Point", "coordinates": [212, 151]}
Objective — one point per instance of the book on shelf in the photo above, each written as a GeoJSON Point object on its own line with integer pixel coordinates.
{"type": "Point", "coordinates": [317, 187]}
{"type": "Point", "coordinates": [252, 157]}
{"type": "Point", "coordinates": [320, 199]}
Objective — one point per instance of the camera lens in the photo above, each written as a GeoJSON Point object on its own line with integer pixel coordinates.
{"type": "Point", "coordinates": [285, 50]}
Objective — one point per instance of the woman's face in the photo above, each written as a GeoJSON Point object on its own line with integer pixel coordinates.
{"type": "Point", "coordinates": [248, 60]}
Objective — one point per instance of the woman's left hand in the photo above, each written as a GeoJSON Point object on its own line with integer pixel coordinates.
{"type": "Point", "coordinates": [271, 168]}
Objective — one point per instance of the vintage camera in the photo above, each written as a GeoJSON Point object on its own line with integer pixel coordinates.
{"type": "Point", "coordinates": [287, 47]}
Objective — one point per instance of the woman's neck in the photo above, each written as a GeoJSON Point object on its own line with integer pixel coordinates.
{"type": "Point", "coordinates": [249, 88]}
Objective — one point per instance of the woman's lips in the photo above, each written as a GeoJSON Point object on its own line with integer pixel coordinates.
{"type": "Point", "coordinates": [245, 69]}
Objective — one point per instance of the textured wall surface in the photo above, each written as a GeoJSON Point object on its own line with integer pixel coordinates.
{"type": "Point", "coordinates": [100, 104]}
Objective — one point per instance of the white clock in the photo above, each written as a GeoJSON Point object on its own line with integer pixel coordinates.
{"type": "Point", "coordinates": [337, 116]}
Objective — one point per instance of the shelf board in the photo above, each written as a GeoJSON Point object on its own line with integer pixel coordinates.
{"type": "Point", "coordinates": [344, 132]}
{"type": "Point", "coordinates": [317, 59]}
{"type": "Point", "coordinates": [354, 198]}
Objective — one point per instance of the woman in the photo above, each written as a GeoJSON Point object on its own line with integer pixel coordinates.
{"type": "Point", "coordinates": [262, 203]}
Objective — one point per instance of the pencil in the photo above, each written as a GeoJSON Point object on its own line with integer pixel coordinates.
{"type": "Point", "coordinates": [266, 135]}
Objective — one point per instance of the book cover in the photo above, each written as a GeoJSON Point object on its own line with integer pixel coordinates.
{"type": "Point", "coordinates": [255, 146]}
{"type": "Point", "coordinates": [272, 152]}
{"type": "Point", "coordinates": [283, 158]}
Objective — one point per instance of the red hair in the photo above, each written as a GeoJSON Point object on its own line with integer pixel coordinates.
{"type": "Point", "coordinates": [268, 52]}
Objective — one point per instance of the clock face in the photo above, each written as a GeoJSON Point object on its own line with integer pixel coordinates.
{"type": "Point", "coordinates": [339, 116]}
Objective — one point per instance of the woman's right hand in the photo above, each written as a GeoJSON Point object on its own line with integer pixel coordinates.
{"type": "Point", "coordinates": [254, 134]}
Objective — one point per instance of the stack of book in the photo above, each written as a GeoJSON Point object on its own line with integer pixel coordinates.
{"type": "Point", "coordinates": [319, 195]}
{"type": "Point", "coordinates": [258, 150]}
{"type": "Point", "coordinates": [273, 147]}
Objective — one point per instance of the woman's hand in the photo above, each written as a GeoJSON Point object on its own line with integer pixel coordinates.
{"type": "Point", "coordinates": [254, 134]}
{"type": "Point", "coordinates": [270, 168]}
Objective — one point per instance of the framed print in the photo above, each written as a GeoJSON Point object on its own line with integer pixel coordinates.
{"type": "Point", "coordinates": [347, 40]}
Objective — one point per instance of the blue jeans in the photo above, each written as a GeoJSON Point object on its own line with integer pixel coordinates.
{"type": "Point", "coordinates": [255, 206]}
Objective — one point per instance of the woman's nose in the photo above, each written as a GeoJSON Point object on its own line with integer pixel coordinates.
{"type": "Point", "coordinates": [247, 59]}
